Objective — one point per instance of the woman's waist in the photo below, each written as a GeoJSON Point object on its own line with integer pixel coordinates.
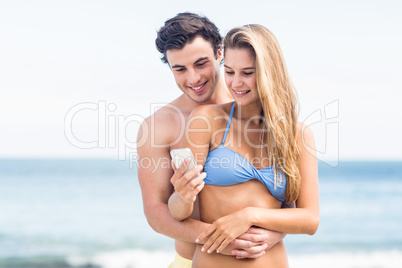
{"type": "Point", "coordinates": [219, 201]}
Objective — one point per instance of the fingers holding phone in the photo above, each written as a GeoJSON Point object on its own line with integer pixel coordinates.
{"type": "Point", "coordinates": [189, 188]}
{"type": "Point", "coordinates": [187, 180]}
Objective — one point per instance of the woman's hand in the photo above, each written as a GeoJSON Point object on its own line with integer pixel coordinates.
{"type": "Point", "coordinates": [189, 184]}
{"type": "Point", "coordinates": [224, 230]}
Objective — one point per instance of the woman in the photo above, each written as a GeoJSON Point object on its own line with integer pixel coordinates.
{"type": "Point", "coordinates": [255, 155]}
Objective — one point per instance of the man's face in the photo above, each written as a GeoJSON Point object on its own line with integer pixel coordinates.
{"type": "Point", "coordinates": [196, 69]}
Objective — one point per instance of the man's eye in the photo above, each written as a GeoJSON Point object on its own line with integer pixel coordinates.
{"type": "Point", "coordinates": [180, 70]}
{"type": "Point", "coordinates": [201, 64]}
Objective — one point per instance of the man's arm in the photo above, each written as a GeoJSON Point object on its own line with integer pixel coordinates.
{"type": "Point", "coordinates": [154, 174]}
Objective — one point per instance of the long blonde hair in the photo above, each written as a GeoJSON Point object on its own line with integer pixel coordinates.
{"type": "Point", "coordinates": [278, 100]}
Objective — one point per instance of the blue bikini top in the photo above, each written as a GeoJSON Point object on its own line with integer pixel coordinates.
{"type": "Point", "coordinates": [225, 167]}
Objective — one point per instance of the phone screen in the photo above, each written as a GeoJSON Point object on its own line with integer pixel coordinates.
{"type": "Point", "coordinates": [179, 155]}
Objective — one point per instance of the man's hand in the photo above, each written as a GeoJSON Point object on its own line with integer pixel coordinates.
{"type": "Point", "coordinates": [254, 243]}
{"type": "Point", "coordinates": [249, 250]}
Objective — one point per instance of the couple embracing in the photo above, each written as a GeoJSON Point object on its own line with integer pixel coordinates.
{"type": "Point", "coordinates": [256, 176]}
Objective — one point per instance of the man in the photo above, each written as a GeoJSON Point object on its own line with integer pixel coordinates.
{"type": "Point", "coordinates": [191, 46]}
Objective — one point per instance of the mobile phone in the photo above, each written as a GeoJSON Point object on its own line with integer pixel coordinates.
{"type": "Point", "coordinates": [179, 155]}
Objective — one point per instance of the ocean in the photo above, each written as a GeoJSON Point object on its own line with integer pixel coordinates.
{"type": "Point", "coordinates": [88, 213]}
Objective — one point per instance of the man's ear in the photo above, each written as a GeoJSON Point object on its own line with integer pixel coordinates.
{"type": "Point", "coordinates": [220, 52]}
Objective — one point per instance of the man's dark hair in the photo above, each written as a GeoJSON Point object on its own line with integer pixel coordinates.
{"type": "Point", "coordinates": [182, 29]}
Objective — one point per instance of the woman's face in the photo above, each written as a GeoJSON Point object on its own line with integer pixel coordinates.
{"type": "Point", "coordinates": [240, 75]}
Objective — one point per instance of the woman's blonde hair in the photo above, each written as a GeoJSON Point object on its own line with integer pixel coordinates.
{"type": "Point", "coordinates": [278, 100]}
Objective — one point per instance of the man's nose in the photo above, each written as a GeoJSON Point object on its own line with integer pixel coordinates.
{"type": "Point", "coordinates": [193, 77]}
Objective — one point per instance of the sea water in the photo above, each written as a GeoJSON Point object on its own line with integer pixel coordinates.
{"type": "Point", "coordinates": [88, 213]}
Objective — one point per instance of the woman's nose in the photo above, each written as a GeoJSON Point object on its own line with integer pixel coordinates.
{"type": "Point", "coordinates": [236, 82]}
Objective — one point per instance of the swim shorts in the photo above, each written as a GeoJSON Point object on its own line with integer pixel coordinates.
{"type": "Point", "coordinates": [180, 262]}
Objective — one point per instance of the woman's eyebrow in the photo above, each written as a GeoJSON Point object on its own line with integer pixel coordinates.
{"type": "Point", "coordinates": [246, 68]}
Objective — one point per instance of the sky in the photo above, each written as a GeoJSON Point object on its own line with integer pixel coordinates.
{"type": "Point", "coordinates": [78, 77]}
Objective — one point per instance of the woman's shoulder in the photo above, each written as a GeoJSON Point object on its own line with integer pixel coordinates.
{"type": "Point", "coordinates": [303, 129]}
{"type": "Point", "coordinates": [305, 135]}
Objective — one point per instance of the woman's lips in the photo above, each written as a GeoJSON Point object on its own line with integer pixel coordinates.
{"type": "Point", "coordinates": [241, 93]}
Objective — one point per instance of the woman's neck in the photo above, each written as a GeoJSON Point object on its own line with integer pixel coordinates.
{"type": "Point", "coordinates": [252, 112]}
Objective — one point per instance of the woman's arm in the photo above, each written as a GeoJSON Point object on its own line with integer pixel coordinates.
{"type": "Point", "coordinates": [302, 219]}
{"type": "Point", "coordinates": [196, 137]}
{"type": "Point", "coordinates": [305, 218]}
{"type": "Point", "coordinates": [187, 186]}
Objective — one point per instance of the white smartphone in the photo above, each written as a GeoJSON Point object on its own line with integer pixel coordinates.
{"type": "Point", "coordinates": [179, 155]}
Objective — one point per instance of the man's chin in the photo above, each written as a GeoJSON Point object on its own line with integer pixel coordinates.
{"type": "Point", "coordinates": [197, 98]}
{"type": "Point", "coordinates": [201, 99]}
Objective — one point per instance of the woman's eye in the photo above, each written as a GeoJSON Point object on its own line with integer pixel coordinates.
{"type": "Point", "coordinates": [248, 73]}
{"type": "Point", "coordinates": [228, 72]}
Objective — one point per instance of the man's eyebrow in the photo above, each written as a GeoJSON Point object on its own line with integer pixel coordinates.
{"type": "Point", "coordinates": [200, 59]}
{"type": "Point", "coordinates": [177, 66]}
{"type": "Point", "coordinates": [197, 61]}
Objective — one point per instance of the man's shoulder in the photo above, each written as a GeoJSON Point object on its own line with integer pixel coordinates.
{"type": "Point", "coordinates": [210, 110]}
{"type": "Point", "coordinates": [163, 126]}
{"type": "Point", "coordinates": [166, 115]}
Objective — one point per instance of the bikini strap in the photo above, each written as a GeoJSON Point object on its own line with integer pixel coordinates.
{"type": "Point", "coordinates": [228, 125]}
